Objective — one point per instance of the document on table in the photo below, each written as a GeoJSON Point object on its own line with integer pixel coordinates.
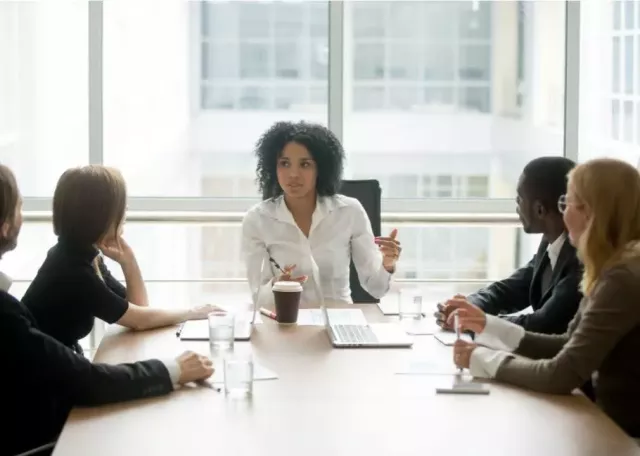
{"type": "Point", "coordinates": [259, 373]}
{"type": "Point", "coordinates": [389, 306]}
{"type": "Point", "coordinates": [449, 338]}
{"type": "Point", "coordinates": [425, 326]}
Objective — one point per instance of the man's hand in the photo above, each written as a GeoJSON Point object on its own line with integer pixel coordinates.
{"type": "Point", "coordinates": [194, 367]}
{"type": "Point", "coordinates": [470, 316]}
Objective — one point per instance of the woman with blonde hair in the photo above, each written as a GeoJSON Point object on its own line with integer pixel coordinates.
{"type": "Point", "coordinates": [73, 286]}
{"type": "Point", "coordinates": [602, 214]}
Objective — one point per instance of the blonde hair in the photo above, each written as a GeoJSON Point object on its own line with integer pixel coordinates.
{"type": "Point", "coordinates": [610, 191]}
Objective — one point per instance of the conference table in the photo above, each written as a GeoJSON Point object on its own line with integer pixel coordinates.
{"type": "Point", "coordinates": [329, 401]}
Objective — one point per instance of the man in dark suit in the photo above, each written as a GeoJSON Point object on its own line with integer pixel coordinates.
{"type": "Point", "coordinates": [549, 283]}
{"type": "Point", "coordinates": [43, 379]}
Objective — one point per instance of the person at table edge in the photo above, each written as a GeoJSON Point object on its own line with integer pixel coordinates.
{"type": "Point", "coordinates": [602, 213]}
{"type": "Point", "coordinates": [549, 283]}
{"type": "Point", "coordinates": [73, 286]}
{"type": "Point", "coordinates": [310, 230]}
{"type": "Point", "coordinates": [42, 379]}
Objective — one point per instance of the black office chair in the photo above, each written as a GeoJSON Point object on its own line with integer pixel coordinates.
{"type": "Point", "coordinates": [44, 450]}
{"type": "Point", "coordinates": [369, 193]}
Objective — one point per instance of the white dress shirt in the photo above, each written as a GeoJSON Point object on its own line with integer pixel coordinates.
{"type": "Point", "coordinates": [500, 337]}
{"type": "Point", "coordinates": [340, 231]}
{"type": "Point", "coordinates": [553, 250]}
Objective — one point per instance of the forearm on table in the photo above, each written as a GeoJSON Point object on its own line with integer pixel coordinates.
{"type": "Point", "coordinates": [143, 318]}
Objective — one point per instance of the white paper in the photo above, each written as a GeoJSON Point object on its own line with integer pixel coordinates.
{"type": "Point", "coordinates": [388, 306]}
{"type": "Point", "coordinates": [449, 338]}
{"type": "Point", "coordinates": [310, 317]}
{"type": "Point", "coordinates": [199, 329]}
{"type": "Point", "coordinates": [259, 373]}
{"type": "Point", "coordinates": [425, 326]}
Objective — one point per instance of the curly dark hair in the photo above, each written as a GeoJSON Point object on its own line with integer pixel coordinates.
{"type": "Point", "coordinates": [321, 143]}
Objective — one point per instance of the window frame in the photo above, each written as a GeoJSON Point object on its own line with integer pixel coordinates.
{"type": "Point", "coordinates": [425, 208]}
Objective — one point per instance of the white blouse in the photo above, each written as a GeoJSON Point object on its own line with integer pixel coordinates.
{"type": "Point", "coordinates": [340, 231]}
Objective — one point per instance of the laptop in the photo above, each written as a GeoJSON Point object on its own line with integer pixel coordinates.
{"type": "Point", "coordinates": [199, 329]}
{"type": "Point", "coordinates": [348, 328]}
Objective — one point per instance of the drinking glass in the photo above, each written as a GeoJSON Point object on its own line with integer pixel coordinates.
{"type": "Point", "coordinates": [410, 304]}
{"type": "Point", "coordinates": [238, 375]}
{"type": "Point", "coordinates": [221, 333]}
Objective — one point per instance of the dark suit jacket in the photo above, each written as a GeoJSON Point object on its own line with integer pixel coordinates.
{"type": "Point", "coordinates": [553, 308]}
{"type": "Point", "coordinates": [42, 380]}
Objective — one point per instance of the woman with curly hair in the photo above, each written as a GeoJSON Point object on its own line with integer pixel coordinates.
{"type": "Point", "coordinates": [304, 225]}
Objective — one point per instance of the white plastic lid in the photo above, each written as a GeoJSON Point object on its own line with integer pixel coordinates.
{"type": "Point", "coordinates": [292, 287]}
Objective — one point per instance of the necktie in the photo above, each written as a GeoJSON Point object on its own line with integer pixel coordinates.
{"type": "Point", "coordinates": [546, 273]}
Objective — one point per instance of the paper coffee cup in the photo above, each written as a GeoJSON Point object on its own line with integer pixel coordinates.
{"type": "Point", "coordinates": [286, 296]}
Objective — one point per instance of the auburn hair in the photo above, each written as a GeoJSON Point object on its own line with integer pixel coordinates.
{"type": "Point", "coordinates": [88, 201]}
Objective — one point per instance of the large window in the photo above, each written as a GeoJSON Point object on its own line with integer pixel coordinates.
{"type": "Point", "coordinates": [443, 102]}
{"type": "Point", "coordinates": [453, 87]}
{"type": "Point", "coordinates": [43, 90]}
{"type": "Point", "coordinates": [188, 94]}
{"type": "Point", "coordinates": [610, 80]}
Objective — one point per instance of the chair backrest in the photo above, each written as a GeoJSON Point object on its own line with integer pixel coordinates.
{"type": "Point", "coordinates": [369, 193]}
{"type": "Point", "coordinates": [43, 450]}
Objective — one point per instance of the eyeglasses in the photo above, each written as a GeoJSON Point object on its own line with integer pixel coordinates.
{"type": "Point", "coordinates": [562, 204]}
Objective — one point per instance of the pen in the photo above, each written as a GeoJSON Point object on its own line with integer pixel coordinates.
{"type": "Point", "coordinates": [207, 384]}
{"type": "Point", "coordinates": [456, 325]}
{"type": "Point", "coordinates": [275, 263]}
{"type": "Point", "coordinates": [267, 313]}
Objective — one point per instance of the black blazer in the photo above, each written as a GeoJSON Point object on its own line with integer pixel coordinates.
{"type": "Point", "coordinates": [43, 379]}
{"type": "Point", "coordinates": [553, 308]}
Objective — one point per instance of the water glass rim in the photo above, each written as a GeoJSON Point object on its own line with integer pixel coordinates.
{"type": "Point", "coordinates": [216, 314]}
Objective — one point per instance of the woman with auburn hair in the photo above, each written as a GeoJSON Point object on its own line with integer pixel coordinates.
{"type": "Point", "coordinates": [602, 214]}
{"type": "Point", "coordinates": [73, 286]}
{"type": "Point", "coordinates": [42, 379]}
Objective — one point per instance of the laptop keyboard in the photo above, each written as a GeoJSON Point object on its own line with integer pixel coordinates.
{"type": "Point", "coordinates": [354, 334]}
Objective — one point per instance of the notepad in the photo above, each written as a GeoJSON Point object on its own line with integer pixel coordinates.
{"type": "Point", "coordinates": [199, 329]}
{"type": "Point", "coordinates": [463, 386]}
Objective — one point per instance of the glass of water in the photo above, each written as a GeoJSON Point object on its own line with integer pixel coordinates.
{"type": "Point", "coordinates": [410, 304]}
{"type": "Point", "coordinates": [238, 375]}
{"type": "Point", "coordinates": [221, 333]}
